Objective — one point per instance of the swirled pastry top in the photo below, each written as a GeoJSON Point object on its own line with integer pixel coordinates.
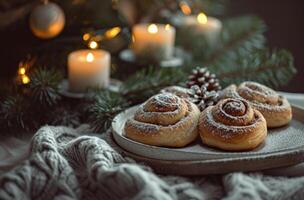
{"type": "Point", "coordinates": [164, 120]}
{"type": "Point", "coordinates": [274, 107]}
{"type": "Point", "coordinates": [232, 125]}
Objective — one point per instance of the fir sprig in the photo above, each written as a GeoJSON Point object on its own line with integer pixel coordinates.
{"type": "Point", "coordinates": [101, 113]}
{"type": "Point", "coordinates": [44, 86]}
{"type": "Point", "coordinates": [147, 82]}
{"type": "Point", "coordinates": [273, 68]}
{"type": "Point", "coordinates": [240, 36]}
{"type": "Point", "coordinates": [14, 112]}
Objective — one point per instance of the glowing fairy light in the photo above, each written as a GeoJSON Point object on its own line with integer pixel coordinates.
{"type": "Point", "coordinates": [21, 71]}
{"type": "Point", "coordinates": [185, 8]}
{"type": "Point", "coordinates": [93, 44]}
{"type": "Point", "coordinates": [25, 79]}
{"type": "Point", "coordinates": [86, 36]}
{"type": "Point", "coordinates": [113, 32]}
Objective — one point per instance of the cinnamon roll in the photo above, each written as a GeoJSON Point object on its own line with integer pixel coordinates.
{"type": "Point", "coordinates": [275, 108]}
{"type": "Point", "coordinates": [164, 120]}
{"type": "Point", "coordinates": [232, 125]}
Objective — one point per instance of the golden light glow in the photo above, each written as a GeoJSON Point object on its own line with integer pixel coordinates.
{"type": "Point", "coordinates": [167, 27]}
{"type": "Point", "coordinates": [113, 32]}
{"type": "Point", "coordinates": [202, 18]}
{"type": "Point", "coordinates": [152, 28]}
{"type": "Point", "coordinates": [21, 71]}
{"type": "Point", "coordinates": [86, 36]}
{"type": "Point", "coordinates": [133, 38]}
{"type": "Point", "coordinates": [185, 8]}
{"type": "Point", "coordinates": [90, 57]}
{"type": "Point", "coordinates": [93, 45]}
{"type": "Point", "coordinates": [25, 79]}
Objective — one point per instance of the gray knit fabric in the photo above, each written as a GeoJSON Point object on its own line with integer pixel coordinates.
{"type": "Point", "coordinates": [64, 165]}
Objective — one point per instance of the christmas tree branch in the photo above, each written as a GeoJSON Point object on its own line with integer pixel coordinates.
{"type": "Point", "coordinates": [106, 105]}
{"type": "Point", "coordinates": [240, 36]}
{"type": "Point", "coordinates": [149, 81]}
{"type": "Point", "coordinates": [273, 68]}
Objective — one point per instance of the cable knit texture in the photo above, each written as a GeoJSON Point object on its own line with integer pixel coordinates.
{"type": "Point", "coordinates": [63, 165]}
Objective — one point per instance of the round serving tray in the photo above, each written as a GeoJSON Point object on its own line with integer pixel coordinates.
{"type": "Point", "coordinates": [282, 147]}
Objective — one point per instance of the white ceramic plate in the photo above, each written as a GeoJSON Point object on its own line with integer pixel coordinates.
{"type": "Point", "coordinates": [285, 140]}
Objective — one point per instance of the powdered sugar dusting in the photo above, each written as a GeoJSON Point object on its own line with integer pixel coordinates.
{"type": "Point", "coordinates": [263, 99]}
{"type": "Point", "coordinates": [165, 99]}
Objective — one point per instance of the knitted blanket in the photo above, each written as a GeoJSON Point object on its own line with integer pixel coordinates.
{"type": "Point", "coordinates": [64, 165]}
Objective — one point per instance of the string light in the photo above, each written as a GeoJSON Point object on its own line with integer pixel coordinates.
{"type": "Point", "coordinates": [24, 66]}
{"type": "Point", "coordinates": [185, 8]}
{"type": "Point", "coordinates": [86, 36]}
{"type": "Point", "coordinates": [25, 79]}
{"type": "Point", "coordinates": [113, 32]}
{"type": "Point", "coordinates": [21, 71]}
{"type": "Point", "coordinates": [93, 45]}
{"type": "Point", "coordinates": [93, 40]}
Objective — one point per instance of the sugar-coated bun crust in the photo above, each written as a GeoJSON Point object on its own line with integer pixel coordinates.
{"type": "Point", "coordinates": [164, 120]}
{"type": "Point", "coordinates": [232, 125]}
{"type": "Point", "coordinates": [275, 108]}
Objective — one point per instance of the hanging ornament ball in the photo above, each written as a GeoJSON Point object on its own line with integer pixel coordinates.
{"type": "Point", "coordinates": [47, 20]}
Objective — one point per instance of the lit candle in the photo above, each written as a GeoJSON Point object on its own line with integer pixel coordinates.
{"type": "Point", "coordinates": [210, 27]}
{"type": "Point", "coordinates": [88, 68]}
{"type": "Point", "coordinates": [153, 41]}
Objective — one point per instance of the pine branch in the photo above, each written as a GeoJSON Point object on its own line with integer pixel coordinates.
{"type": "Point", "coordinates": [44, 86]}
{"type": "Point", "coordinates": [106, 106]}
{"type": "Point", "coordinates": [148, 82]}
{"type": "Point", "coordinates": [240, 36]}
{"type": "Point", "coordinates": [14, 113]}
{"type": "Point", "coordinates": [273, 68]}
{"type": "Point", "coordinates": [65, 115]}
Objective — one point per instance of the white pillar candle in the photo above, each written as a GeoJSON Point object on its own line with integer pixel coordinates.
{"type": "Point", "coordinates": [210, 27]}
{"type": "Point", "coordinates": [88, 68]}
{"type": "Point", "coordinates": [153, 41]}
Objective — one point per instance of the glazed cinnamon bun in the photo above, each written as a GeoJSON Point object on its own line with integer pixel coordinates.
{"type": "Point", "coordinates": [232, 125]}
{"type": "Point", "coordinates": [164, 120]}
{"type": "Point", "coordinates": [275, 108]}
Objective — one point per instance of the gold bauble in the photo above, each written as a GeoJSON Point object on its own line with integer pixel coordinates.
{"type": "Point", "coordinates": [47, 20]}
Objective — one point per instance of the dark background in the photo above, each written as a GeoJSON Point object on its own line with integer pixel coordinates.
{"type": "Point", "coordinates": [284, 18]}
{"type": "Point", "coordinates": [285, 21]}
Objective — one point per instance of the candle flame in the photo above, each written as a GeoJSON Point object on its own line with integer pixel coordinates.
{"type": "Point", "coordinates": [202, 18]}
{"type": "Point", "coordinates": [113, 32]}
{"type": "Point", "coordinates": [167, 27]}
{"type": "Point", "coordinates": [152, 28]}
{"type": "Point", "coordinates": [90, 57]}
{"type": "Point", "coordinates": [25, 79]}
{"type": "Point", "coordinates": [93, 45]}
{"type": "Point", "coordinates": [185, 8]}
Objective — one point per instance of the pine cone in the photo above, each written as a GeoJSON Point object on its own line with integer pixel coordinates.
{"type": "Point", "coordinates": [202, 97]}
{"type": "Point", "coordinates": [202, 76]}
